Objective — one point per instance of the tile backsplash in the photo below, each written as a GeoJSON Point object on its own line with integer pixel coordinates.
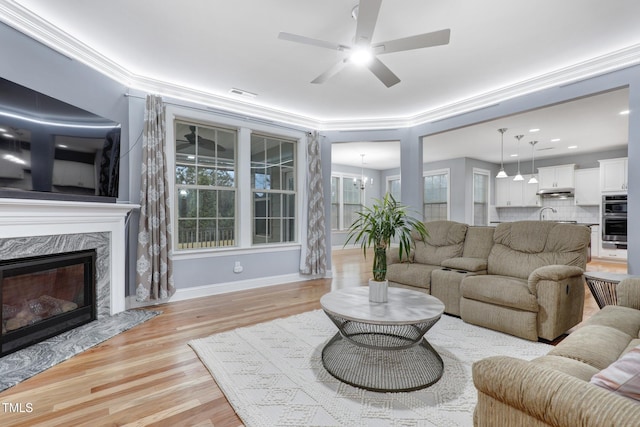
{"type": "Point", "coordinates": [566, 210]}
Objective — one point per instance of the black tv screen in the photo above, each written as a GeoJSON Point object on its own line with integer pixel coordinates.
{"type": "Point", "coordinates": [53, 150]}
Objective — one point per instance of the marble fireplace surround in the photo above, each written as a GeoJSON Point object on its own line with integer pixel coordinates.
{"type": "Point", "coordinates": [43, 227]}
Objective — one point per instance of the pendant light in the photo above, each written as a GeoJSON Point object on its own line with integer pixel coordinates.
{"type": "Point", "coordinates": [519, 176]}
{"type": "Point", "coordinates": [502, 173]}
{"type": "Point", "coordinates": [533, 179]}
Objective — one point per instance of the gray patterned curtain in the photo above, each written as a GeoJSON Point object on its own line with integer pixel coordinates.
{"type": "Point", "coordinates": [314, 254]}
{"type": "Point", "coordinates": [154, 267]}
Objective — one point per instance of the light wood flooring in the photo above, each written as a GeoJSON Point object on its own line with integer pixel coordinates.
{"type": "Point", "coordinates": [149, 376]}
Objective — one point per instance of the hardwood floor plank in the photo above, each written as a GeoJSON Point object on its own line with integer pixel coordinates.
{"type": "Point", "coordinates": [149, 376]}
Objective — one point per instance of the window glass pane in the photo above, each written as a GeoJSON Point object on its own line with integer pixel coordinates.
{"type": "Point", "coordinates": [207, 203]}
{"type": "Point", "coordinates": [394, 188]}
{"type": "Point", "coordinates": [226, 149]}
{"type": "Point", "coordinates": [273, 170]}
{"type": "Point", "coordinates": [187, 203]}
{"type": "Point", "coordinates": [436, 189]}
{"type": "Point", "coordinates": [205, 164]}
{"type": "Point", "coordinates": [185, 174]}
{"type": "Point", "coordinates": [275, 180]}
{"type": "Point", "coordinates": [480, 197]}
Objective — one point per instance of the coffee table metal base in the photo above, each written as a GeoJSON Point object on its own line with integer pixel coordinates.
{"type": "Point", "coordinates": [384, 358]}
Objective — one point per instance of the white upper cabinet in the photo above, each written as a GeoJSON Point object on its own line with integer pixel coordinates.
{"type": "Point", "coordinates": [510, 193]}
{"type": "Point", "coordinates": [587, 187]}
{"type": "Point", "coordinates": [613, 175]}
{"type": "Point", "coordinates": [556, 176]}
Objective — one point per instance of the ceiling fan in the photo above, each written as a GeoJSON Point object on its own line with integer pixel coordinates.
{"type": "Point", "coordinates": [364, 51]}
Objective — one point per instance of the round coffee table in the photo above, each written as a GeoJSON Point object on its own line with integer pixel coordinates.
{"type": "Point", "coordinates": [381, 346]}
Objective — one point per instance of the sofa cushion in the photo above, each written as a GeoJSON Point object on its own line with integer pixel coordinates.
{"type": "Point", "coordinates": [595, 345]}
{"type": "Point", "coordinates": [573, 367]}
{"type": "Point", "coordinates": [623, 376]}
{"type": "Point", "coordinates": [466, 264]}
{"type": "Point", "coordinates": [478, 242]}
{"type": "Point", "coordinates": [624, 319]}
{"type": "Point", "coordinates": [521, 247]}
{"type": "Point", "coordinates": [418, 275]}
{"type": "Point", "coordinates": [500, 290]}
{"type": "Point", "coordinates": [445, 240]}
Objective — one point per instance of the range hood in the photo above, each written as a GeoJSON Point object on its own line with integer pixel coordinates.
{"type": "Point", "coordinates": [556, 193]}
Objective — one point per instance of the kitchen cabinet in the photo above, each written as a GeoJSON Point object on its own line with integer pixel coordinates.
{"type": "Point", "coordinates": [595, 241]}
{"type": "Point", "coordinates": [510, 193]}
{"type": "Point", "coordinates": [613, 175]}
{"type": "Point", "coordinates": [556, 176]}
{"type": "Point", "coordinates": [613, 253]}
{"type": "Point", "coordinates": [587, 183]}
{"type": "Point", "coordinates": [530, 193]}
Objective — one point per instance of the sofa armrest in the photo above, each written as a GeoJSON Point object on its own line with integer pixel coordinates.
{"type": "Point", "coordinates": [551, 396]}
{"type": "Point", "coordinates": [465, 263]}
{"type": "Point", "coordinates": [554, 273]}
{"type": "Point", "coordinates": [628, 292]}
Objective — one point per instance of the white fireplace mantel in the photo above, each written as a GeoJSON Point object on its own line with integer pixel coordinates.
{"type": "Point", "coordinates": [27, 217]}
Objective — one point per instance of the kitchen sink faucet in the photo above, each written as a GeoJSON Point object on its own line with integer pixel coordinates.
{"type": "Point", "coordinates": [544, 209]}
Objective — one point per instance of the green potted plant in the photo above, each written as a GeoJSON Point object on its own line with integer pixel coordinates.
{"type": "Point", "coordinates": [377, 226]}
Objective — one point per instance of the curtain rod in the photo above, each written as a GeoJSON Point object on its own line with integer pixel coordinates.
{"type": "Point", "coordinates": [226, 114]}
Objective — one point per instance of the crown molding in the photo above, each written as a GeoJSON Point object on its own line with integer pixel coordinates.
{"type": "Point", "coordinates": [44, 32]}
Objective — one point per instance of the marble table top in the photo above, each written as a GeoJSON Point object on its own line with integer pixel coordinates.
{"type": "Point", "coordinates": [404, 306]}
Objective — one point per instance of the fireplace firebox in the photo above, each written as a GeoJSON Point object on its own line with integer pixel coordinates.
{"type": "Point", "coordinates": [44, 296]}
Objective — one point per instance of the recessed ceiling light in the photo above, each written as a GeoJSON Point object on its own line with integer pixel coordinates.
{"type": "Point", "coordinates": [624, 112]}
{"type": "Point", "coordinates": [534, 130]}
{"type": "Point", "coordinates": [8, 135]}
{"type": "Point", "coordinates": [571, 147]}
{"type": "Point", "coordinates": [62, 146]}
{"type": "Point", "coordinates": [555, 140]}
{"type": "Point", "coordinates": [513, 155]}
{"type": "Point", "coordinates": [3, 130]}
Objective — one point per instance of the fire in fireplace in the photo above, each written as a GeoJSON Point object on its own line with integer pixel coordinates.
{"type": "Point", "coordinates": [44, 296]}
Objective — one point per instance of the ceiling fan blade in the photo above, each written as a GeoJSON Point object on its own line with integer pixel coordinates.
{"type": "Point", "coordinates": [436, 38]}
{"type": "Point", "coordinates": [335, 69]}
{"type": "Point", "coordinates": [309, 41]}
{"type": "Point", "coordinates": [383, 73]}
{"type": "Point", "coordinates": [367, 18]}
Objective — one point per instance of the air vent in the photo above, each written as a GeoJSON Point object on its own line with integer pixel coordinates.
{"type": "Point", "coordinates": [243, 93]}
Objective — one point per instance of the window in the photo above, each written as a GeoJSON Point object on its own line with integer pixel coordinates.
{"type": "Point", "coordinates": [393, 187]}
{"type": "Point", "coordinates": [346, 201]}
{"type": "Point", "coordinates": [273, 187]}
{"type": "Point", "coordinates": [205, 178]}
{"type": "Point", "coordinates": [480, 197]}
{"type": "Point", "coordinates": [436, 195]}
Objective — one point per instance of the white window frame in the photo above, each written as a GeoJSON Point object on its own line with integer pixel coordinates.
{"type": "Point", "coordinates": [478, 171]}
{"type": "Point", "coordinates": [390, 179]}
{"type": "Point", "coordinates": [244, 204]}
{"type": "Point", "coordinates": [447, 172]}
{"type": "Point", "coordinates": [341, 177]}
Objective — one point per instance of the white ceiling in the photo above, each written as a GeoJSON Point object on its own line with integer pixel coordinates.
{"type": "Point", "coordinates": [203, 48]}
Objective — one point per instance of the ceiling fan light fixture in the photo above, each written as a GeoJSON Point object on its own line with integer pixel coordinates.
{"type": "Point", "coordinates": [361, 56]}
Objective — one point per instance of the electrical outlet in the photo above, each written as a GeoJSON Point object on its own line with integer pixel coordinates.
{"type": "Point", "coordinates": [237, 268]}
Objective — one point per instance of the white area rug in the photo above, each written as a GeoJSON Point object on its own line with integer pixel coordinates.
{"type": "Point", "coordinates": [273, 375]}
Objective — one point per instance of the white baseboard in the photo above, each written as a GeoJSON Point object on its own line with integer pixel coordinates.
{"type": "Point", "coordinates": [223, 288]}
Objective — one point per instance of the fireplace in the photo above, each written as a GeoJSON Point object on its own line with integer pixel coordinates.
{"type": "Point", "coordinates": [43, 296]}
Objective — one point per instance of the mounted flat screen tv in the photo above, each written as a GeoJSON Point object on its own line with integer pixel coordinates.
{"type": "Point", "coordinates": [53, 150]}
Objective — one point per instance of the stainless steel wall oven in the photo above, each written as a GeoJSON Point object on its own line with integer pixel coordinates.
{"type": "Point", "coordinates": [614, 220]}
